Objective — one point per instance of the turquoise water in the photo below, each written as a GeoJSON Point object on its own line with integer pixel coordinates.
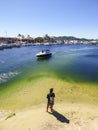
{"type": "Point", "coordinates": [68, 62]}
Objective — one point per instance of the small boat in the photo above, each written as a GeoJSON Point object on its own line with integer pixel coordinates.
{"type": "Point", "coordinates": [44, 53]}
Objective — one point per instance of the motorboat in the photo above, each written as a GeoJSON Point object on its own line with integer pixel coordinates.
{"type": "Point", "coordinates": [44, 53]}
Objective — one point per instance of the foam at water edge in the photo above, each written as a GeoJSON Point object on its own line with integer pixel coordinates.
{"type": "Point", "coordinates": [6, 76]}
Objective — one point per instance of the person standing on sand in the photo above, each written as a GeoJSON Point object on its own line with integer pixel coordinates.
{"type": "Point", "coordinates": [50, 100]}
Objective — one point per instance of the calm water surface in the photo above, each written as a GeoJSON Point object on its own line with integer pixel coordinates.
{"type": "Point", "coordinates": [68, 62]}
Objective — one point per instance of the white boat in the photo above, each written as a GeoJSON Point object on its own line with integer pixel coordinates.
{"type": "Point", "coordinates": [44, 53]}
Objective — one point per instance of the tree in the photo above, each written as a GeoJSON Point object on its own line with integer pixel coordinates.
{"type": "Point", "coordinates": [22, 36]}
{"type": "Point", "coordinates": [19, 35]}
{"type": "Point", "coordinates": [39, 39]}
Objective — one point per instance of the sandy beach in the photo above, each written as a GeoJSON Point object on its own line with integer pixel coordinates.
{"type": "Point", "coordinates": [66, 116]}
{"type": "Point", "coordinates": [24, 108]}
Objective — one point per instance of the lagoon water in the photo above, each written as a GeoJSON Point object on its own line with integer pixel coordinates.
{"type": "Point", "coordinates": [68, 62]}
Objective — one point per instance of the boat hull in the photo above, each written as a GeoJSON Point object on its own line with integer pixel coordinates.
{"type": "Point", "coordinates": [44, 55]}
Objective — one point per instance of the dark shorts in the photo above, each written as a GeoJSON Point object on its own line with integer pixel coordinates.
{"type": "Point", "coordinates": [48, 103]}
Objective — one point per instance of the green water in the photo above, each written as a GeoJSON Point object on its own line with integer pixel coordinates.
{"type": "Point", "coordinates": [20, 70]}
{"type": "Point", "coordinates": [74, 63]}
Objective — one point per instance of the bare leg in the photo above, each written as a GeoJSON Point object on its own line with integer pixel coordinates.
{"type": "Point", "coordinates": [51, 108]}
{"type": "Point", "coordinates": [47, 107]}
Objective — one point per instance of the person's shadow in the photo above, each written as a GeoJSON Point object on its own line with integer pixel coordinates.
{"type": "Point", "coordinates": [60, 117]}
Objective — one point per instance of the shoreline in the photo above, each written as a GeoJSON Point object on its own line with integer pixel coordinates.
{"type": "Point", "coordinates": [4, 46]}
{"type": "Point", "coordinates": [24, 94]}
{"type": "Point", "coordinates": [22, 109]}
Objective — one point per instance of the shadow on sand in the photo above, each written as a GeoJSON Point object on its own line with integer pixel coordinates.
{"type": "Point", "coordinates": [59, 117]}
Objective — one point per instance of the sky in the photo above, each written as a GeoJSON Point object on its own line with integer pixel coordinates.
{"type": "Point", "coordinates": [77, 18]}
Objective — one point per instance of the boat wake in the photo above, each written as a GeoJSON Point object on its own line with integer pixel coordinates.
{"type": "Point", "coordinates": [4, 77]}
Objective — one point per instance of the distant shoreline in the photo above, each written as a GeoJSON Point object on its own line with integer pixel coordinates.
{"type": "Point", "coordinates": [21, 40]}
{"type": "Point", "coordinates": [18, 45]}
